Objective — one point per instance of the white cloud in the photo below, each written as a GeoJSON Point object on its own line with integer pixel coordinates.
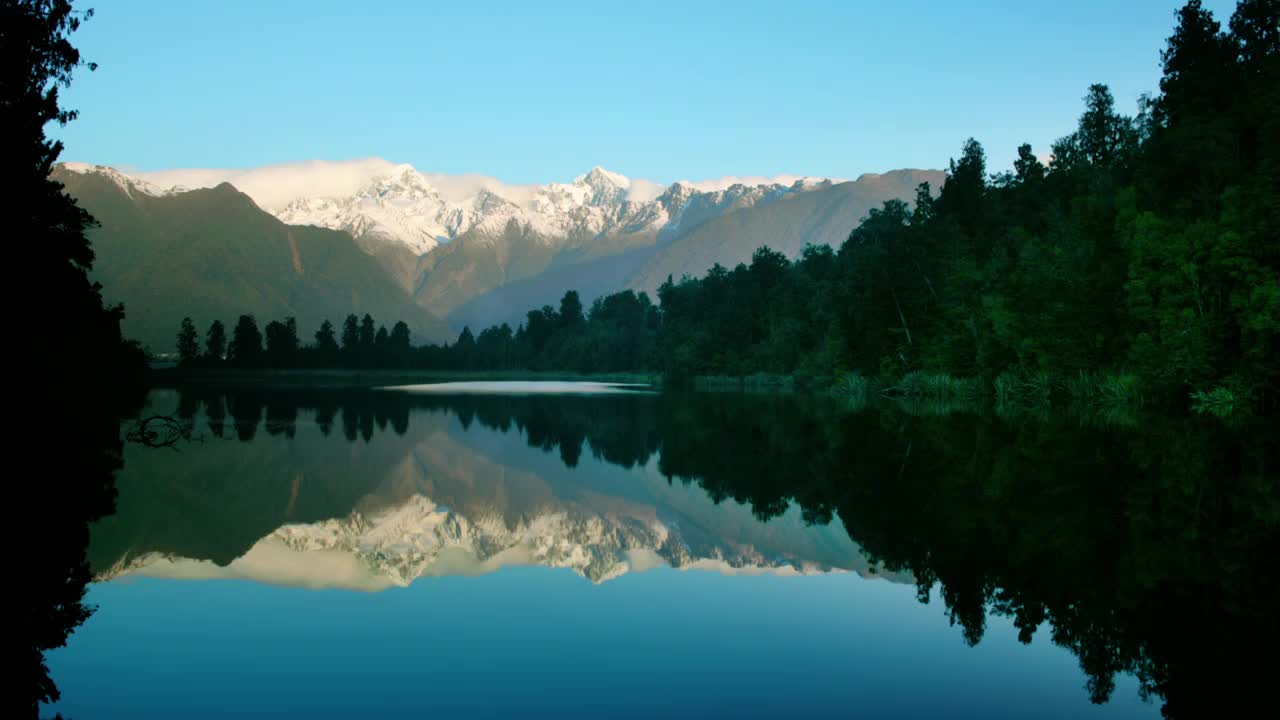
{"type": "Point", "coordinates": [459, 188]}
{"type": "Point", "coordinates": [274, 186]}
{"type": "Point", "coordinates": [644, 190]}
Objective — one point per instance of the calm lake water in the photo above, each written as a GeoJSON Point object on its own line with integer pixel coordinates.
{"type": "Point", "coordinates": [467, 551]}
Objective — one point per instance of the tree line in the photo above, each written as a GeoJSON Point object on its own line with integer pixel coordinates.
{"type": "Point", "coordinates": [279, 346]}
{"type": "Point", "coordinates": [617, 334]}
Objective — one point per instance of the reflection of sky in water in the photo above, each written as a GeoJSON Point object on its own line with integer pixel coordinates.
{"type": "Point", "coordinates": [481, 633]}
{"type": "Point", "coordinates": [533, 642]}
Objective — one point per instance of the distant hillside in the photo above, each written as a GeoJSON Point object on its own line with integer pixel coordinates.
{"type": "Point", "coordinates": [724, 229]}
{"type": "Point", "coordinates": [213, 254]}
{"type": "Point", "coordinates": [591, 278]}
{"type": "Point", "coordinates": [819, 217]}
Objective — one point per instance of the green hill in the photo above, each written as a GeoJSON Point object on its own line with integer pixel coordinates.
{"type": "Point", "coordinates": [212, 254]}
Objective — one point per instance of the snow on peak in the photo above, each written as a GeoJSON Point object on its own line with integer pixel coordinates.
{"type": "Point", "coordinates": [128, 183]}
{"type": "Point", "coordinates": [599, 177]}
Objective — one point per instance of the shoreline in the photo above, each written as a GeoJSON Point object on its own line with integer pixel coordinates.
{"type": "Point", "coordinates": [331, 378]}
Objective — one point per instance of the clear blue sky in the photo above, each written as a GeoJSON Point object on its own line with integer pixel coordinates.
{"type": "Point", "coordinates": [542, 91]}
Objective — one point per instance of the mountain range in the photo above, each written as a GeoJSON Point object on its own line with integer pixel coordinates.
{"type": "Point", "coordinates": [441, 252]}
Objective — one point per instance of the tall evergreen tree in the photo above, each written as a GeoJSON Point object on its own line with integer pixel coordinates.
{"type": "Point", "coordinates": [215, 341]}
{"type": "Point", "coordinates": [282, 342]}
{"type": "Point", "coordinates": [351, 333]}
{"type": "Point", "coordinates": [400, 336]}
{"type": "Point", "coordinates": [188, 342]}
{"type": "Point", "coordinates": [571, 310]}
{"type": "Point", "coordinates": [325, 342]}
{"type": "Point", "coordinates": [246, 342]}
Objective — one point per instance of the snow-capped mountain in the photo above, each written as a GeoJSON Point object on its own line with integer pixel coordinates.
{"type": "Point", "coordinates": [403, 206]}
{"type": "Point", "coordinates": [476, 251]}
{"type": "Point", "coordinates": [375, 200]}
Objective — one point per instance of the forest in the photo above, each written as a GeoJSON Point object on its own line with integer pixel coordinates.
{"type": "Point", "coordinates": [1139, 263]}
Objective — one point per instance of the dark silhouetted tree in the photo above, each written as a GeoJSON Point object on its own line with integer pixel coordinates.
{"type": "Point", "coordinates": [188, 342]}
{"type": "Point", "coordinates": [215, 341]}
{"type": "Point", "coordinates": [282, 342]}
{"type": "Point", "coordinates": [246, 342]}
{"type": "Point", "coordinates": [571, 310]}
{"type": "Point", "coordinates": [351, 333]}
{"type": "Point", "coordinates": [325, 342]}
{"type": "Point", "coordinates": [464, 349]}
{"type": "Point", "coordinates": [400, 336]}
{"type": "Point", "coordinates": [78, 423]}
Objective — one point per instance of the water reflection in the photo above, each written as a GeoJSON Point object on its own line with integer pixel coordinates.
{"type": "Point", "coordinates": [1147, 550]}
{"type": "Point", "coordinates": [480, 483]}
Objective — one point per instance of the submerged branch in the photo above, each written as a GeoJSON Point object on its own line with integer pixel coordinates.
{"type": "Point", "coordinates": [160, 431]}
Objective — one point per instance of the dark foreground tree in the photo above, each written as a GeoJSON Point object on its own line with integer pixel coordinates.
{"type": "Point", "coordinates": [74, 371]}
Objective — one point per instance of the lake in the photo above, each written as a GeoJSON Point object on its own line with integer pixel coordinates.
{"type": "Point", "coordinates": [590, 551]}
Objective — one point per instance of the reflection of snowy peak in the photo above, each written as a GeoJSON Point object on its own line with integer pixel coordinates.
{"type": "Point", "coordinates": [462, 498]}
{"type": "Point", "coordinates": [420, 538]}
{"type": "Point", "coordinates": [394, 545]}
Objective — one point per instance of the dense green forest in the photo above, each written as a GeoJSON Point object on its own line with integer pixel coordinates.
{"type": "Point", "coordinates": [1141, 262]}
{"type": "Point", "coordinates": [1144, 251]}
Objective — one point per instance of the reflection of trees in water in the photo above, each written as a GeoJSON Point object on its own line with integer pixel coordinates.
{"type": "Point", "coordinates": [1146, 550]}
{"type": "Point", "coordinates": [53, 569]}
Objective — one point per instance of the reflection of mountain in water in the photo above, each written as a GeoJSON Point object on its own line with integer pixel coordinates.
{"type": "Point", "coordinates": [445, 498]}
{"type": "Point", "coordinates": [1148, 549]}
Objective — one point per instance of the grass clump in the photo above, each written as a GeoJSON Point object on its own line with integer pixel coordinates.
{"type": "Point", "coordinates": [1023, 389]}
{"type": "Point", "coordinates": [1120, 391]}
{"type": "Point", "coordinates": [922, 384]}
{"type": "Point", "coordinates": [854, 390]}
{"type": "Point", "coordinates": [1219, 402]}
